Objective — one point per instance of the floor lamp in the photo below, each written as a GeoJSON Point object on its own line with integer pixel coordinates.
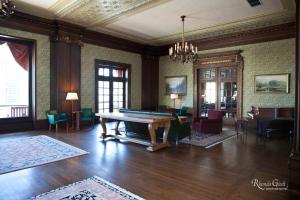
{"type": "Point", "coordinates": [72, 96]}
{"type": "Point", "coordinates": [174, 97]}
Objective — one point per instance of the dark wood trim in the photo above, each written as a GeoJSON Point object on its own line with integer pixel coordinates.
{"type": "Point", "coordinates": [271, 33]}
{"type": "Point", "coordinates": [150, 82]}
{"type": "Point", "coordinates": [65, 67]}
{"type": "Point", "coordinates": [23, 123]}
{"type": "Point", "coordinates": [30, 23]}
{"type": "Point", "coordinates": [124, 66]}
{"type": "Point", "coordinates": [41, 124]}
{"type": "Point", "coordinates": [104, 40]}
{"type": "Point", "coordinates": [217, 60]}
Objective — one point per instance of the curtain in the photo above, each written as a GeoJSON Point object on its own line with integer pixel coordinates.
{"type": "Point", "coordinates": [20, 53]}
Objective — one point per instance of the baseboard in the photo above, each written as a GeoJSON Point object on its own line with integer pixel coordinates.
{"type": "Point", "coordinates": [41, 124]}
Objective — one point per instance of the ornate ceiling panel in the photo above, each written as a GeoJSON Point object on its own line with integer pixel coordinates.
{"type": "Point", "coordinates": [158, 22]}
{"type": "Point", "coordinates": [90, 12]}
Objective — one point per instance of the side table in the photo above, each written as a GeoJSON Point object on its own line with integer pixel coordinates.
{"type": "Point", "coordinates": [76, 121]}
{"type": "Point", "coordinates": [241, 125]}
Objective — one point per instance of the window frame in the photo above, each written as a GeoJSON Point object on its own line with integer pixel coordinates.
{"type": "Point", "coordinates": [113, 65]}
{"type": "Point", "coordinates": [25, 122]}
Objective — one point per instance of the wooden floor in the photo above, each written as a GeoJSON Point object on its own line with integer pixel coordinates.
{"type": "Point", "coordinates": [182, 172]}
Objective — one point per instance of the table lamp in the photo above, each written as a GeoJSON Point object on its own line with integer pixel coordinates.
{"type": "Point", "coordinates": [72, 96]}
{"type": "Point", "coordinates": [174, 97]}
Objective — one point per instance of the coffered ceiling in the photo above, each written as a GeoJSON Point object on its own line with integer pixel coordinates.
{"type": "Point", "coordinates": [158, 22]}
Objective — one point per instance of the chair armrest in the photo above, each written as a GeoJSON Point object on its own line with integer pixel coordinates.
{"type": "Point", "coordinates": [198, 119]}
{"type": "Point", "coordinates": [62, 116]}
{"type": "Point", "coordinates": [51, 118]}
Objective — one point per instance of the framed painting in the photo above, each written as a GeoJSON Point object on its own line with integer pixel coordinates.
{"type": "Point", "coordinates": [176, 85]}
{"type": "Point", "coordinates": [271, 83]}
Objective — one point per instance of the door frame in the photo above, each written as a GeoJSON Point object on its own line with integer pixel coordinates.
{"type": "Point", "coordinates": [23, 123]}
{"type": "Point", "coordinates": [222, 59]}
{"type": "Point", "coordinates": [114, 65]}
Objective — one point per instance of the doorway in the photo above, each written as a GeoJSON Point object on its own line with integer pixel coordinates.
{"type": "Point", "coordinates": [218, 84]}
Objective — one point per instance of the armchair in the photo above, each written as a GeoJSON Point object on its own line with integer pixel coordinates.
{"type": "Point", "coordinates": [88, 115]}
{"type": "Point", "coordinates": [55, 118]}
{"type": "Point", "coordinates": [211, 124]}
{"type": "Point", "coordinates": [182, 111]}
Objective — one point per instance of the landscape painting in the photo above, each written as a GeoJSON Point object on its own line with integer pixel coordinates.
{"type": "Point", "coordinates": [272, 83]}
{"type": "Point", "coordinates": [176, 85]}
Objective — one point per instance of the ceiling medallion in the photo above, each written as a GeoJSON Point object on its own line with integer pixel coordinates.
{"type": "Point", "coordinates": [184, 51]}
{"type": "Point", "coordinates": [6, 8]}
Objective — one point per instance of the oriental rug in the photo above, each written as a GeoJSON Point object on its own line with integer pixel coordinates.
{"type": "Point", "coordinates": [94, 188]}
{"type": "Point", "coordinates": [208, 140]}
{"type": "Point", "coordinates": [21, 153]}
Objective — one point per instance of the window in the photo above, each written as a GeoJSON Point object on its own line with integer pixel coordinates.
{"type": "Point", "coordinates": [112, 86]}
{"type": "Point", "coordinates": [15, 78]}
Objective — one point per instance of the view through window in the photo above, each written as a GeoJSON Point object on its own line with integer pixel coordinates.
{"type": "Point", "coordinates": [14, 80]}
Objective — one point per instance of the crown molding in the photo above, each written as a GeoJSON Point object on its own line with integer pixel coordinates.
{"type": "Point", "coordinates": [245, 24]}
{"type": "Point", "coordinates": [77, 34]}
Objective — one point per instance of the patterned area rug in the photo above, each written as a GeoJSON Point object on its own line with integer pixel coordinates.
{"type": "Point", "coordinates": [28, 152]}
{"type": "Point", "coordinates": [209, 140]}
{"type": "Point", "coordinates": [94, 188]}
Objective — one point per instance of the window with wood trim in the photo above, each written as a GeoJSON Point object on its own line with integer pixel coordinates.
{"type": "Point", "coordinates": [112, 85]}
{"type": "Point", "coordinates": [15, 78]}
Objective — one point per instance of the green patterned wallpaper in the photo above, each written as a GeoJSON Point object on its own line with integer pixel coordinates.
{"type": "Point", "coordinates": [88, 55]}
{"type": "Point", "coordinates": [42, 68]}
{"type": "Point", "coordinates": [262, 58]}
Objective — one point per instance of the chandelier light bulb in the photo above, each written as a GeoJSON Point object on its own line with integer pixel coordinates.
{"type": "Point", "coordinates": [183, 51]}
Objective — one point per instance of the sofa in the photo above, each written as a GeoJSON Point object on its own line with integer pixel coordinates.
{"type": "Point", "coordinates": [177, 130]}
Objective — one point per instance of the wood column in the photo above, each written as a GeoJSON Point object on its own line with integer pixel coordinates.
{"type": "Point", "coordinates": [65, 65]}
{"type": "Point", "coordinates": [150, 74]}
{"type": "Point", "coordinates": [294, 161]}
{"type": "Point", "coordinates": [64, 75]}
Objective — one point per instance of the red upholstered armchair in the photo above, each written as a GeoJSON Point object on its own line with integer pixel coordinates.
{"type": "Point", "coordinates": [211, 124]}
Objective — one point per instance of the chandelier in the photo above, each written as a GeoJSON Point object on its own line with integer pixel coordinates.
{"type": "Point", "coordinates": [6, 8]}
{"type": "Point", "coordinates": [184, 51]}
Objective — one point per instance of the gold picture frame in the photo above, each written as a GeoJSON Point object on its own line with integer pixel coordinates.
{"type": "Point", "coordinates": [176, 85]}
{"type": "Point", "coordinates": [272, 83]}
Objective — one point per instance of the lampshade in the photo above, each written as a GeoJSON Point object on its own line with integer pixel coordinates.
{"type": "Point", "coordinates": [174, 96]}
{"type": "Point", "coordinates": [72, 96]}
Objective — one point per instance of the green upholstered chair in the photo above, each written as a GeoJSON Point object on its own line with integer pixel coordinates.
{"type": "Point", "coordinates": [55, 118]}
{"type": "Point", "coordinates": [87, 115]}
{"type": "Point", "coordinates": [182, 111]}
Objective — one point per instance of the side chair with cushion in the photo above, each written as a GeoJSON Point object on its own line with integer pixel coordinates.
{"type": "Point", "coordinates": [55, 118]}
{"type": "Point", "coordinates": [87, 115]}
{"type": "Point", "coordinates": [213, 123]}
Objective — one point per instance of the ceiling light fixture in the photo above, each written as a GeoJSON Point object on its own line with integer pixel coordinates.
{"type": "Point", "coordinates": [6, 8]}
{"type": "Point", "coordinates": [183, 51]}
